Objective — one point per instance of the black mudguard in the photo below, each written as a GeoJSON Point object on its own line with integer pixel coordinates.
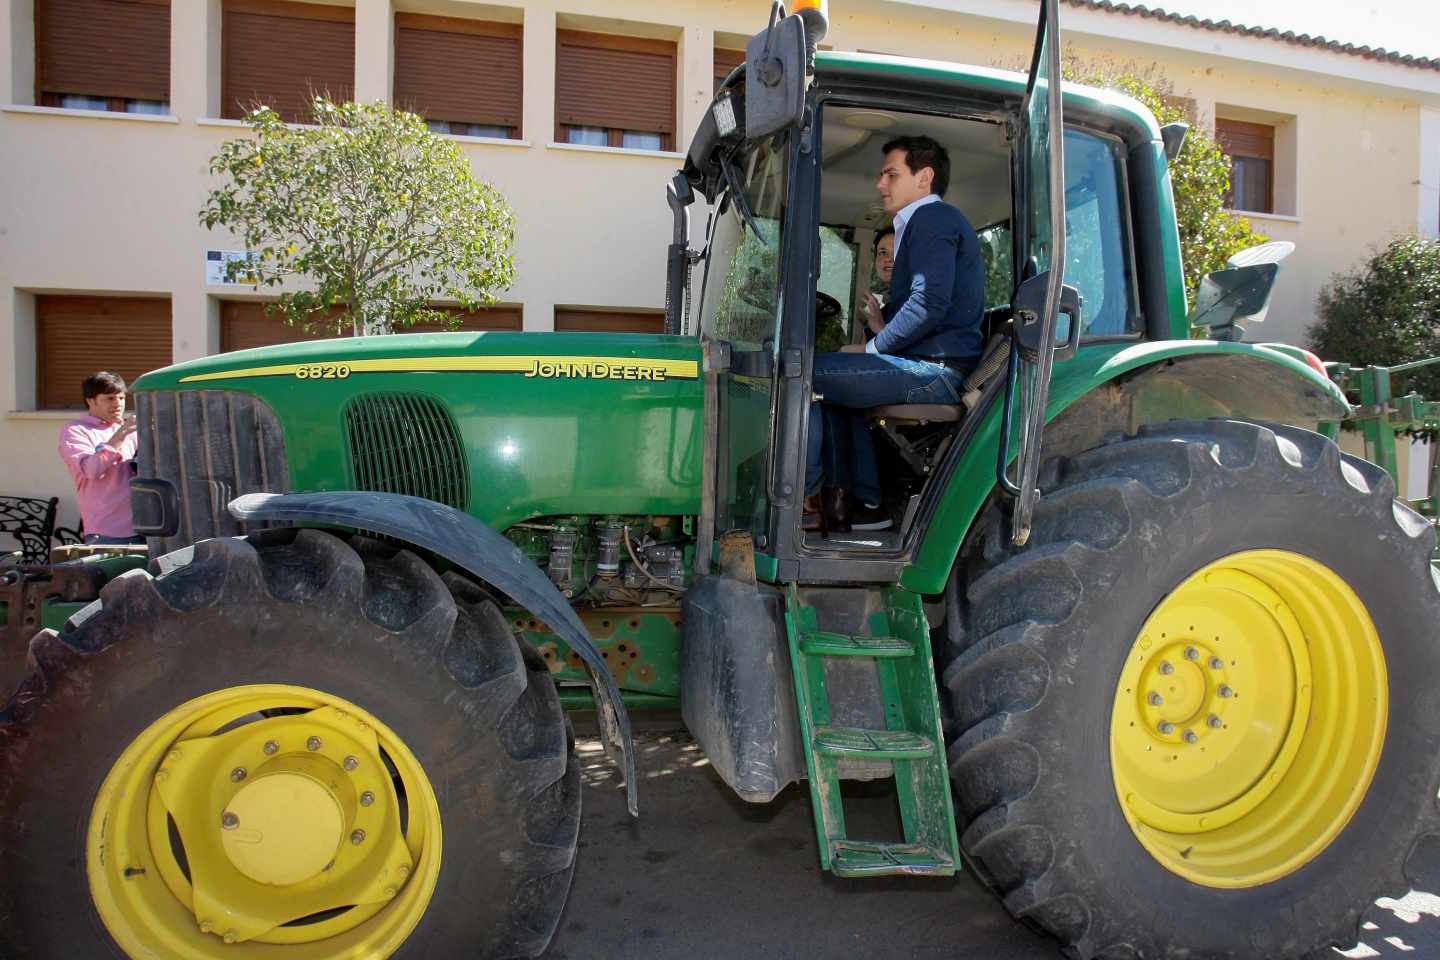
{"type": "Point", "coordinates": [477, 549]}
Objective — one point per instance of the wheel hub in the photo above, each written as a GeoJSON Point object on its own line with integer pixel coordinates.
{"type": "Point", "coordinates": [1248, 718]}
{"type": "Point", "coordinates": [267, 813]}
{"type": "Point", "coordinates": [282, 828]}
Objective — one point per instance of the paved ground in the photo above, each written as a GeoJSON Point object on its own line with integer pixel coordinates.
{"type": "Point", "coordinates": [703, 875]}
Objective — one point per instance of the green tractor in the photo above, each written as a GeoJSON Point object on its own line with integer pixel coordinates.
{"type": "Point", "coordinates": [1146, 651]}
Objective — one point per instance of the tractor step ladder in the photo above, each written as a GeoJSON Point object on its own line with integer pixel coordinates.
{"type": "Point", "coordinates": [912, 741]}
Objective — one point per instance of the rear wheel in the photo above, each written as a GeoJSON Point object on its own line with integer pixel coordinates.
{"type": "Point", "coordinates": [1195, 716]}
{"type": "Point", "coordinates": [316, 749]}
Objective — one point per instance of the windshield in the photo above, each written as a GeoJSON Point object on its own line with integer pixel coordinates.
{"type": "Point", "coordinates": [742, 273]}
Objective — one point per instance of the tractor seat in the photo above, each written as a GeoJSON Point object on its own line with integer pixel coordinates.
{"type": "Point", "coordinates": [918, 413]}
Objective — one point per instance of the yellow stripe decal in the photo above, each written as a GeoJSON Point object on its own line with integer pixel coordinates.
{"type": "Point", "coordinates": [544, 367]}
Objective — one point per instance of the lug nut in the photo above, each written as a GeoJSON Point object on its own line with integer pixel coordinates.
{"type": "Point", "coordinates": [1216, 663]}
{"type": "Point", "coordinates": [351, 763]}
{"type": "Point", "coordinates": [229, 820]}
{"type": "Point", "coordinates": [1191, 653]}
{"type": "Point", "coordinates": [238, 774]}
{"type": "Point", "coordinates": [314, 743]}
{"type": "Point", "coordinates": [367, 798]}
{"type": "Point", "coordinates": [1166, 668]}
{"type": "Point", "coordinates": [231, 936]}
{"type": "Point", "coordinates": [402, 871]}
{"type": "Point", "coordinates": [1154, 699]}
{"type": "Point", "coordinates": [1225, 691]}
{"type": "Point", "coordinates": [206, 926]}
{"type": "Point", "coordinates": [1166, 727]}
{"type": "Point", "coordinates": [358, 837]}
{"type": "Point", "coordinates": [271, 747]}
{"type": "Point", "coordinates": [1190, 737]}
{"type": "Point", "coordinates": [1215, 722]}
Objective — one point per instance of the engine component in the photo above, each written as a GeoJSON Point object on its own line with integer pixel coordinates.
{"type": "Point", "coordinates": [561, 565]}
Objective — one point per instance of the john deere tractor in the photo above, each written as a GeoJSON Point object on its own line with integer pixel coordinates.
{"type": "Point", "coordinates": [1150, 655]}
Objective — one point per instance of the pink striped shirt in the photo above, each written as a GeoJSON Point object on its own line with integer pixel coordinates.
{"type": "Point", "coordinates": [101, 473]}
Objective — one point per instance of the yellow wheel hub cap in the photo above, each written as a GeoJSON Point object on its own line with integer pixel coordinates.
{"type": "Point", "coordinates": [1248, 719]}
{"type": "Point", "coordinates": [275, 817]}
{"type": "Point", "coordinates": [282, 828]}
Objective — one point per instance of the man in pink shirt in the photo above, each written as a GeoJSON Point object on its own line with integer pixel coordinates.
{"type": "Point", "coordinates": [99, 451]}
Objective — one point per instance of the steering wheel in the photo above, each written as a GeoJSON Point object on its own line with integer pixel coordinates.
{"type": "Point", "coordinates": [826, 307]}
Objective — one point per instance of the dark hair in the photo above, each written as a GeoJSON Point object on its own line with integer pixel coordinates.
{"type": "Point", "coordinates": [922, 152]}
{"type": "Point", "coordinates": [881, 235]}
{"type": "Point", "coordinates": [99, 384]}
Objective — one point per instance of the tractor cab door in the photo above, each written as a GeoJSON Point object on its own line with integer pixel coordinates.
{"type": "Point", "coordinates": [1041, 294]}
{"type": "Point", "coordinates": [742, 323]}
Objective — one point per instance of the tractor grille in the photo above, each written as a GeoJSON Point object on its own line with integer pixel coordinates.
{"type": "Point", "coordinates": [406, 443]}
{"type": "Point", "coordinates": [213, 445]}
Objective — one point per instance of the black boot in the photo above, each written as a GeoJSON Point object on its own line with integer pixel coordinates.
{"type": "Point", "coordinates": [835, 507]}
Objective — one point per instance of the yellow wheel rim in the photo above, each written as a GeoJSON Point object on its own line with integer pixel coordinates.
{"type": "Point", "coordinates": [261, 821]}
{"type": "Point", "coordinates": [1248, 719]}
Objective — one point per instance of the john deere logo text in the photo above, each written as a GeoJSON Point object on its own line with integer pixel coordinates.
{"type": "Point", "coordinates": [594, 370]}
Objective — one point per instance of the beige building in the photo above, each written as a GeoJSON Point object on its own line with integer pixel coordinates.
{"type": "Point", "coordinates": [578, 111]}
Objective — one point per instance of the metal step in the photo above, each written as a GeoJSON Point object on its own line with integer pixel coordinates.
{"type": "Point", "coordinates": [823, 644]}
{"type": "Point", "coordinates": [856, 744]}
{"type": "Point", "coordinates": [861, 858]}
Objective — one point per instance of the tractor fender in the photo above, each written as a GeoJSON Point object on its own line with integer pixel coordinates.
{"type": "Point", "coordinates": [479, 550]}
{"type": "Point", "coordinates": [1118, 389]}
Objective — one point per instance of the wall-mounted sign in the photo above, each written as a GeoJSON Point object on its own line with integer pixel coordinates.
{"type": "Point", "coordinates": [216, 262]}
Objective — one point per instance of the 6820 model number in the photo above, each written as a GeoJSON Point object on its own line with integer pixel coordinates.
{"type": "Point", "coordinates": [322, 371]}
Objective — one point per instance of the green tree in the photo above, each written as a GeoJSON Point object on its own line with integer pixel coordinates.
{"type": "Point", "coordinates": [1199, 176]}
{"type": "Point", "coordinates": [375, 215]}
{"type": "Point", "coordinates": [1385, 311]}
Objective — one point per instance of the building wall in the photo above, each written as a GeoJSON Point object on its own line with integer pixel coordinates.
{"type": "Point", "coordinates": [107, 203]}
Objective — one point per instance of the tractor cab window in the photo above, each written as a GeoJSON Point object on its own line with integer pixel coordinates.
{"type": "Point", "coordinates": [741, 287]}
{"type": "Point", "coordinates": [1097, 250]}
{"type": "Point", "coordinates": [997, 244]}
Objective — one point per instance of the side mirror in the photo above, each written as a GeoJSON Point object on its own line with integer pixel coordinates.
{"type": "Point", "coordinates": [1172, 135]}
{"type": "Point", "coordinates": [1236, 295]}
{"type": "Point", "coordinates": [775, 78]}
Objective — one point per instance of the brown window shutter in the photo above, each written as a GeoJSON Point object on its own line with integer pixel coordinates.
{"type": "Point", "coordinates": [1242, 139]}
{"type": "Point", "coordinates": [608, 321]}
{"type": "Point", "coordinates": [281, 54]}
{"type": "Point", "coordinates": [486, 318]}
{"type": "Point", "coordinates": [245, 324]}
{"type": "Point", "coordinates": [102, 48]}
{"type": "Point", "coordinates": [725, 61]}
{"type": "Point", "coordinates": [463, 71]}
{"type": "Point", "coordinates": [620, 83]}
{"type": "Point", "coordinates": [78, 336]}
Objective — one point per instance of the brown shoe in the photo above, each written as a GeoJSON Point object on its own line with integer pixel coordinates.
{"type": "Point", "coordinates": [814, 515]}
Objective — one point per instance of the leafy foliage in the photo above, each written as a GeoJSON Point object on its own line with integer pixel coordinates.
{"type": "Point", "coordinates": [379, 215]}
{"type": "Point", "coordinates": [1199, 176]}
{"type": "Point", "coordinates": [1384, 312]}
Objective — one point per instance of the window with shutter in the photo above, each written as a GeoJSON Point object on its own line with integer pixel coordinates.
{"type": "Point", "coordinates": [245, 324]}
{"type": "Point", "coordinates": [103, 55]}
{"type": "Point", "coordinates": [1251, 148]}
{"type": "Point", "coordinates": [614, 91]}
{"type": "Point", "coordinates": [281, 54]}
{"type": "Point", "coordinates": [725, 61]}
{"type": "Point", "coordinates": [576, 320]}
{"type": "Point", "coordinates": [77, 336]}
{"type": "Point", "coordinates": [462, 76]}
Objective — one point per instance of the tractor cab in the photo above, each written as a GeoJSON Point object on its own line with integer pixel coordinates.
{"type": "Point", "coordinates": [789, 258]}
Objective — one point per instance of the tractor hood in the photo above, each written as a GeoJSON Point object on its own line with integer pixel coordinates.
{"type": "Point", "coordinates": [506, 426]}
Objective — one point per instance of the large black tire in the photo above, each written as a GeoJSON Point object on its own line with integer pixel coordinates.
{"type": "Point", "coordinates": [1038, 637]}
{"type": "Point", "coordinates": [432, 658]}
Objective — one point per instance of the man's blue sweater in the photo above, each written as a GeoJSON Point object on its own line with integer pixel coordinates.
{"type": "Point", "coordinates": [937, 290]}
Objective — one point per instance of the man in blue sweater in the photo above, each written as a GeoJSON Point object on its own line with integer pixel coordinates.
{"type": "Point", "coordinates": [929, 342]}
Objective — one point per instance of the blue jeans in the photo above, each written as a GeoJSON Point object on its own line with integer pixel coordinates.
{"type": "Point", "coordinates": [854, 382]}
{"type": "Point", "coordinates": [102, 540]}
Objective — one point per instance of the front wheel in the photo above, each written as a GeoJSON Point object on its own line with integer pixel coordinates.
{"type": "Point", "coordinates": [301, 748]}
{"type": "Point", "coordinates": [1196, 715]}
